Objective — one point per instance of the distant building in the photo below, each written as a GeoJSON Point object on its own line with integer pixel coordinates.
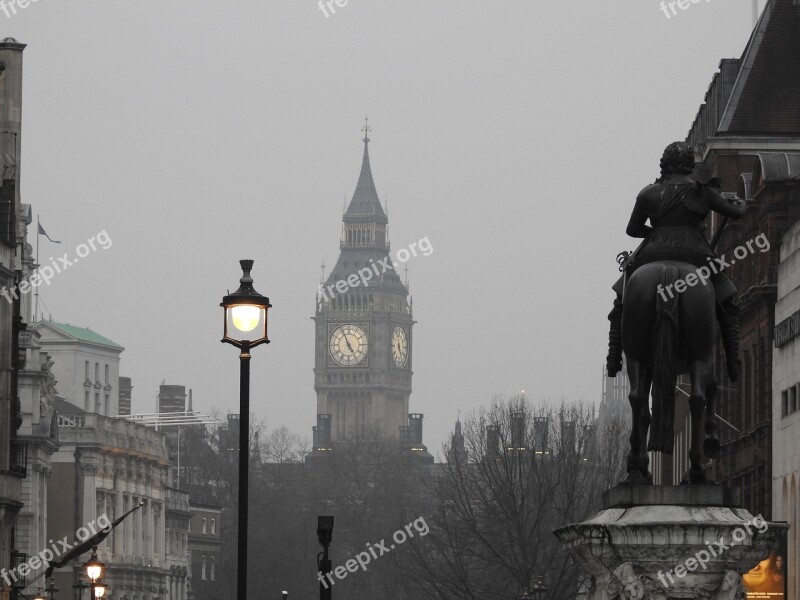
{"type": "Point", "coordinates": [614, 403]}
{"type": "Point", "coordinates": [205, 548]}
{"type": "Point", "coordinates": [86, 365]}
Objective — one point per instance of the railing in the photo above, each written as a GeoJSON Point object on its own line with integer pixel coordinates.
{"type": "Point", "coordinates": [71, 420]}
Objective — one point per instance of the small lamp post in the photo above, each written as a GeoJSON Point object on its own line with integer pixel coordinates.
{"type": "Point", "coordinates": [51, 589]}
{"type": "Point", "coordinates": [325, 536]}
{"type": "Point", "coordinates": [94, 571]}
{"type": "Point", "coordinates": [99, 590]}
{"type": "Point", "coordinates": [245, 327]}
{"type": "Point", "coordinates": [538, 591]}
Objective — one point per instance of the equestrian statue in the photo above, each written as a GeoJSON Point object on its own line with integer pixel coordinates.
{"type": "Point", "coordinates": [671, 299]}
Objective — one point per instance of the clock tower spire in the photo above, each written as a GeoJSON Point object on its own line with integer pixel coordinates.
{"type": "Point", "coordinates": [363, 323]}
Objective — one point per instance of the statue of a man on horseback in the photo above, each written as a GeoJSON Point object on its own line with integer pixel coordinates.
{"type": "Point", "coordinates": [669, 299]}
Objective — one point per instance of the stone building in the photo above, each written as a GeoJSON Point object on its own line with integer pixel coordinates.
{"type": "Point", "coordinates": [747, 133]}
{"type": "Point", "coordinates": [785, 390]}
{"type": "Point", "coordinates": [12, 448]}
{"type": "Point", "coordinates": [39, 429]}
{"type": "Point", "coordinates": [107, 466]}
{"type": "Point", "coordinates": [205, 547]}
{"type": "Point", "coordinates": [85, 364]}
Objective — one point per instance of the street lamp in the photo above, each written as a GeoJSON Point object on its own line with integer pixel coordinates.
{"type": "Point", "coordinates": [325, 536]}
{"type": "Point", "coordinates": [51, 589]}
{"type": "Point", "coordinates": [99, 590]}
{"type": "Point", "coordinates": [94, 568]}
{"type": "Point", "coordinates": [538, 591]}
{"type": "Point", "coordinates": [245, 327]}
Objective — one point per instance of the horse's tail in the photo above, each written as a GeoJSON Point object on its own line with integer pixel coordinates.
{"type": "Point", "coordinates": [665, 363]}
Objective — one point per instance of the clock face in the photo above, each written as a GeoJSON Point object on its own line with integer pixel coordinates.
{"type": "Point", "coordinates": [348, 345]}
{"type": "Point", "coordinates": [399, 347]}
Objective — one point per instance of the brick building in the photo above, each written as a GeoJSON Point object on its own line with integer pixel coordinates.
{"type": "Point", "coordinates": [747, 132]}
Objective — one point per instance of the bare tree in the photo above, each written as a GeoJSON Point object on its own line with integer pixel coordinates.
{"type": "Point", "coordinates": [493, 506]}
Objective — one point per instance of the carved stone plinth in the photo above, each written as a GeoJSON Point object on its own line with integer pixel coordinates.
{"type": "Point", "coordinates": [661, 542]}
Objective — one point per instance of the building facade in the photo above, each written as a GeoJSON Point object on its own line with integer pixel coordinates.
{"type": "Point", "coordinates": [746, 133]}
{"type": "Point", "coordinates": [13, 449]}
{"type": "Point", "coordinates": [785, 390]}
{"type": "Point", "coordinates": [108, 466]}
{"type": "Point", "coordinates": [205, 548]}
{"type": "Point", "coordinates": [85, 364]}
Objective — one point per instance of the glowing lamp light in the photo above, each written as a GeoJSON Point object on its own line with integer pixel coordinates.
{"type": "Point", "coordinates": [99, 590]}
{"type": "Point", "coordinates": [245, 318]}
{"type": "Point", "coordinates": [245, 313]}
{"type": "Point", "coordinates": [94, 568]}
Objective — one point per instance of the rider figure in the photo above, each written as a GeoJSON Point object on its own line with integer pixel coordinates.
{"type": "Point", "coordinates": [677, 207]}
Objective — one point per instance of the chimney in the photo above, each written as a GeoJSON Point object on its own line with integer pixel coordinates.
{"type": "Point", "coordinates": [492, 442]}
{"type": "Point", "coordinates": [540, 430]}
{"type": "Point", "coordinates": [322, 432]}
{"type": "Point", "coordinates": [518, 430]}
{"type": "Point", "coordinates": [415, 429]}
{"type": "Point", "coordinates": [171, 398]}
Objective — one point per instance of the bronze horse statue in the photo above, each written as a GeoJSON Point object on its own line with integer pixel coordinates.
{"type": "Point", "coordinates": [666, 333]}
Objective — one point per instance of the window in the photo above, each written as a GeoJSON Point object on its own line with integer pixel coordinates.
{"type": "Point", "coordinates": [204, 525]}
{"type": "Point", "coordinates": [97, 371]}
{"type": "Point", "coordinates": [213, 569]}
{"type": "Point", "coordinates": [784, 403]}
{"type": "Point", "coordinates": [86, 406]}
{"type": "Point", "coordinates": [203, 568]}
{"type": "Point", "coordinates": [108, 406]}
{"type": "Point", "coordinates": [190, 526]}
{"type": "Point", "coordinates": [213, 527]}
{"type": "Point", "coordinates": [97, 402]}
{"type": "Point", "coordinates": [793, 399]}
{"type": "Point", "coordinates": [106, 373]}
{"type": "Point", "coordinates": [86, 369]}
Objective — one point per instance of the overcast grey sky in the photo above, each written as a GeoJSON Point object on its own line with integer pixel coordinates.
{"type": "Point", "coordinates": [514, 135]}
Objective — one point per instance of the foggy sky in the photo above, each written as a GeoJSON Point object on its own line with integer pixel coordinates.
{"type": "Point", "coordinates": [514, 135]}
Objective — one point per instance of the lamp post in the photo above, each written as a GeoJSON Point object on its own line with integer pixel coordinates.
{"type": "Point", "coordinates": [94, 571]}
{"type": "Point", "coordinates": [51, 589]}
{"type": "Point", "coordinates": [538, 591]}
{"type": "Point", "coordinates": [325, 535]}
{"type": "Point", "coordinates": [245, 327]}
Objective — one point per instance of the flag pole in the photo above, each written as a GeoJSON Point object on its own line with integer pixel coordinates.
{"type": "Point", "coordinates": [36, 295]}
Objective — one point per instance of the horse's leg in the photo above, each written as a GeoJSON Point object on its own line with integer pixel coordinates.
{"type": "Point", "coordinates": [698, 371]}
{"type": "Point", "coordinates": [644, 424]}
{"type": "Point", "coordinates": [638, 398]}
{"type": "Point", "coordinates": [711, 443]}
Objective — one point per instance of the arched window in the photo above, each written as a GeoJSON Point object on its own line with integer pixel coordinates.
{"type": "Point", "coordinates": [213, 569]}
{"type": "Point", "coordinates": [213, 530]}
{"type": "Point", "coordinates": [203, 568]}
{"type": "Point", "coordinates": [204, 525]}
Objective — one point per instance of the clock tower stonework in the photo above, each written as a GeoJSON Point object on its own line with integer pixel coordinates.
{"type": "Point", "coordinates": [363, 324]}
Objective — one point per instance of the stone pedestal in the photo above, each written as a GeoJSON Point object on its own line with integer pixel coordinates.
{"type": "Point", "coordinates": [670, 542]}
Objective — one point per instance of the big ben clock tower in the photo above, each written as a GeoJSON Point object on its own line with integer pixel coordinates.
{"type": "Point", "coordinates": [363, 322]}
